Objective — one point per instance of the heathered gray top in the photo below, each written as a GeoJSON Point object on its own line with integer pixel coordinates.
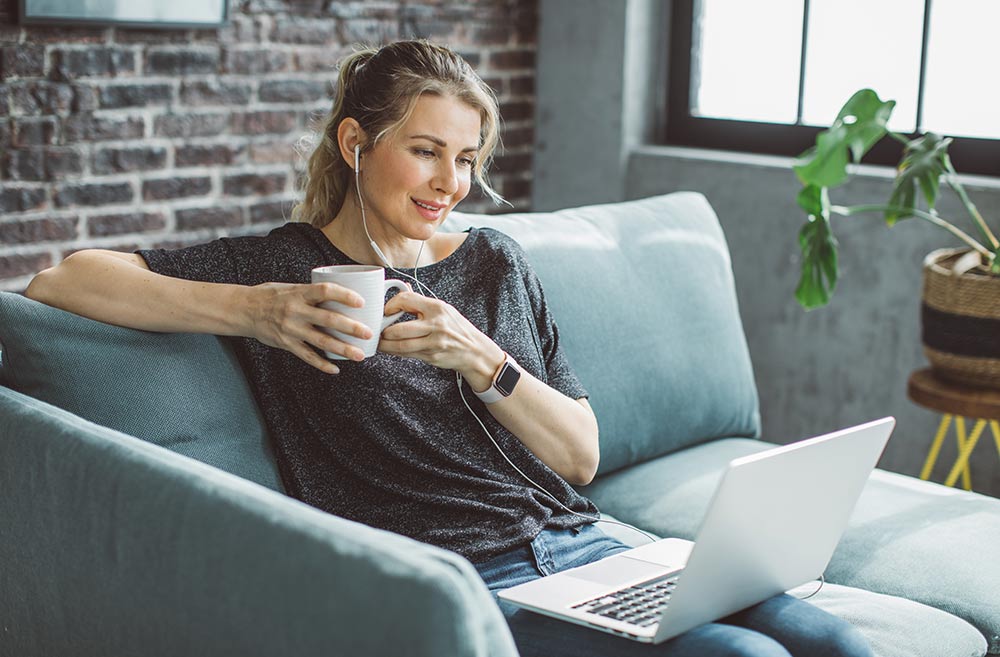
{"type": "Point", "coordinates": [388, 442]}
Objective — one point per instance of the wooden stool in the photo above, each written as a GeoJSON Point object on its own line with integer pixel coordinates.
{"type": "Point", "coordinates": [955, 402]}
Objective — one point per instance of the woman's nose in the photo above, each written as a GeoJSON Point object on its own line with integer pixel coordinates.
{"type": "Point", "coordinates": [446, 180]}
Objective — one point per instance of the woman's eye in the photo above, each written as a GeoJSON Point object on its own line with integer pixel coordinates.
{"type": "Point", "coordinates": [423, 152]}
{"type": "Point", "coordinates": [466, 162]}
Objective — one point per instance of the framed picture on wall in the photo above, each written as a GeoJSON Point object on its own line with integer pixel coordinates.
{"type": "Point", "coordinates": [131, 13]}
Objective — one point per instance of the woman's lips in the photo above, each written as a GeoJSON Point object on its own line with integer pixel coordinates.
{"type": "Point", "coordinates": [425, 210]}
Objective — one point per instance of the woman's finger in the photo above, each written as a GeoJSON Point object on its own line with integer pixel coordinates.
{"type": "Point", "coordinates": [411, 302]}
{"type": "Point", "coordinates": [421, 347]}
{"type": "Point", "coordinates": [312, 358]}
{"type": "Point", "coordinates": [317, 293]}
{"type": "Point", "coordinates": [331, 319]}
{"type": "Point", "coordinates": [415, 328]}
{"type": "Point", "coordinates": [327, 342]}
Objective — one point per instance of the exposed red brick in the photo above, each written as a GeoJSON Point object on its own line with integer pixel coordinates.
{"type": "Point", "coordinates": [253, 184]}
{"type": "Point", "coordinates": [40, 229]}
{"type": "Point", "coordinates": [167, 188]}
{"type": "Point", "coordinates": [263, 122]}
{"type": "Point", "coordinates": [197, 155]}
{"type": "Point", "coordinates": [518, 110]}
{"type": "Point", "coordinates": [209, 217]}
{"type": "Point", "coordinates": [90, 127]}
{"type": "Point", "coordinates": [271, 212]}
{"type": "Point", "coordinates": [34, 132]}
{"type": "Point", "coordinates": [513, 59]}
{"type": "Point", "coordinates": [14, 198]}
{"type": "Point", "coordinates": [24, 60]}
{"type": "Point", "coordinates": [256, 61]}
{"type": "Point", "coordinates": [21, 265]}
{"type": "Point", "coordinates": [68, 64]}
{"type": "Point", "coordinates": [125, 222]}
{"type": "Point", "coordinates": [191, 125]}
{"type": "Point", "coordinates": [273, 152]}
{"type": "Point", "coordinates": [93, 194]}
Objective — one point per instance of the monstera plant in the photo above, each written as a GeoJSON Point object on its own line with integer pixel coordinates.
{"type": "Point", "coordinates": [861, 124]}
{"type": "Point", "coordinates": [960, 309]}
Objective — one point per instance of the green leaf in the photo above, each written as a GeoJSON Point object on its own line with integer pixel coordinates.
{"type": "Point", "coordinates": [924, 161]}
{"type": "Point", "coordinates": [819, 263]}
{"type": "Point", "coordinates": [860, 124]}
{"type": "Point", "coordinates": [815, 201]}
{"type": "Point", "coordinates": [824, 165]}
{"type": "Point", "coordinates": [866, 116]}
{"type": "Point", "coordinates": [995, 265]}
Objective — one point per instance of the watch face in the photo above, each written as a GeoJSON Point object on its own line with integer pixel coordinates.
{"type": "Point", "coordinates": [508, 378]}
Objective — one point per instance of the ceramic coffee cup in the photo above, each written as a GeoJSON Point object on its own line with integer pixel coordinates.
{"type": "Point", "coordinates": [369, 282]}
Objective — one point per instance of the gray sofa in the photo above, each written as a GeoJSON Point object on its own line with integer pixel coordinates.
{"type": "Point", "coordinates": [141, 511]}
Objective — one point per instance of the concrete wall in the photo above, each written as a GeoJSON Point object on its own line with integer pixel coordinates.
{"type": "Point", "coordinates": [816, 371]}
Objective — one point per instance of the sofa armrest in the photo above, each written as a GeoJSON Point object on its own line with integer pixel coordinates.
{"type": "Point", "coordinates": [114, 546]}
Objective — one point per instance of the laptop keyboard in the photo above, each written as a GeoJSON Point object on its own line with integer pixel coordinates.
{"type": "Point", "coordinates": [639, 605]}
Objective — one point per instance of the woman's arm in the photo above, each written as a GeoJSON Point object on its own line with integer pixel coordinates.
{"type": "Point", "coordinates": [118, 288]}
{"type": "Point", "coordinates": [560, 431]}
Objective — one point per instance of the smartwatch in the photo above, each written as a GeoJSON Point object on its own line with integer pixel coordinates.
{"type": "Point", "coordinates": [504, 381]}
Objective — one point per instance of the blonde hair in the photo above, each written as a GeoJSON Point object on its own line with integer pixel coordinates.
{"type": "Point", "coordinates": [379, 87]}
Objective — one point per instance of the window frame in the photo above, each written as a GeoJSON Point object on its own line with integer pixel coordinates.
{"type": "Point", "coordinates": [970, 155]}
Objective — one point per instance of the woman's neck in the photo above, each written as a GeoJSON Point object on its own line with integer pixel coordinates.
{"type": "Point", "coordinates": [347, 233]}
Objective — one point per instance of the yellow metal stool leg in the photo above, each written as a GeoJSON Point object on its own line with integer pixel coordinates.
{"type": "Point", "coordinates": [960, 438]}
{"type": "Point", "coordinates": [932, 455]}
{"type": "Point", "coordinates": [962, 463]}
{"type": "Point", "coordinates": [995, 426]}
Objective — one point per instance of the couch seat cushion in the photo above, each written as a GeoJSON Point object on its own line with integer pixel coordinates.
{"type": "Point", "coordinates": [909, 537]}
{"type": "Point", "coordinates": [897, 627]}
{"type": "Point", "coordinates": [181, 391]}
{"type": "Point", "coordinates": [669, 495]}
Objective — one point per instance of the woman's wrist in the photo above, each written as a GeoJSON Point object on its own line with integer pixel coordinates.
{"type": "Point", "coordinates": [484, 366]}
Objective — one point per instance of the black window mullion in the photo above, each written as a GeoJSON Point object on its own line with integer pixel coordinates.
{"type": "Point", "coordinates": [923, 66]}
{"type": "Point", "coordinates": [802, 61]}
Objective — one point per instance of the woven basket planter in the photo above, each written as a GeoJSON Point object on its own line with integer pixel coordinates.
{"type": "Point", "coordinates": [960, 317]}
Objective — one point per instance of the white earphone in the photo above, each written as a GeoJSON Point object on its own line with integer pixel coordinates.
{"type": "Point", "coordinates": [364, 221]}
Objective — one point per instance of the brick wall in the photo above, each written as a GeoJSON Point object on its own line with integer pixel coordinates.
{"type": "Point", "coordinates": [121, 138]}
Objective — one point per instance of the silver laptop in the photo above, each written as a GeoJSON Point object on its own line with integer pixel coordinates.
{"type": "Point", "coordinates": [772, 525]}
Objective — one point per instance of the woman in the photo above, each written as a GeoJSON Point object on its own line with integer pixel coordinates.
{"type": "Point", "coordinates": [391, 440]}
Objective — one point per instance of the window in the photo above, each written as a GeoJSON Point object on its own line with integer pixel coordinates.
{"type": "Point", "coordinates": [762, 76]}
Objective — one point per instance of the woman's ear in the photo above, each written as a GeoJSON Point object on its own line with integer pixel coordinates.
{"type": "Point", "coordinates": [350, 135]}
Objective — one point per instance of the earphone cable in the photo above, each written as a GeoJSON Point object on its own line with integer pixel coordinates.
{"type": "Point", "coordinates": [458, 379]}
{"type": "Point", "coordinates": [822, 581]}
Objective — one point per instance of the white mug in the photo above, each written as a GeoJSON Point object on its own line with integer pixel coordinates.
{"type": "Point", "coordinates": [369, 282]}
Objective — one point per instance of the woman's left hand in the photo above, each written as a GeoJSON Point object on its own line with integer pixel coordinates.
{"type": "Point", "coordinates": [441, 336]}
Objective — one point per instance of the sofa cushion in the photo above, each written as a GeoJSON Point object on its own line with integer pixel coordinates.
{"type": "Point", "coordinates": [669, 495]}
{"type": "Point", "coordinates": [896, 627]}
{"type": "Point", "coordinates": [182, 391]}
{"type": "Point", "coordinates": [902, 525]}
{"type": "Point", "coordinates": [623, 281]}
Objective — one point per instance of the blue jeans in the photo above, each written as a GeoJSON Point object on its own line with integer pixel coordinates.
{"type": "Point", "coordinates": [778, 627]}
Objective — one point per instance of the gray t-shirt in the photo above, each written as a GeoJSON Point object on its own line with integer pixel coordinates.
{"type": "Point", "coordinates": [388, 441]}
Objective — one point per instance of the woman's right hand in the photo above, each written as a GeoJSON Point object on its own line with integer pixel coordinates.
{"type": "Point", "coordinates": [287, 316]}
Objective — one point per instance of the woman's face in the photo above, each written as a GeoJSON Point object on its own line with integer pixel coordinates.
{"type": "Point", "coordinates": [412, 179]}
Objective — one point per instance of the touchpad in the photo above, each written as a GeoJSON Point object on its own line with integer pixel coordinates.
{"type": "Point", "coordinates": [617, 570]}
